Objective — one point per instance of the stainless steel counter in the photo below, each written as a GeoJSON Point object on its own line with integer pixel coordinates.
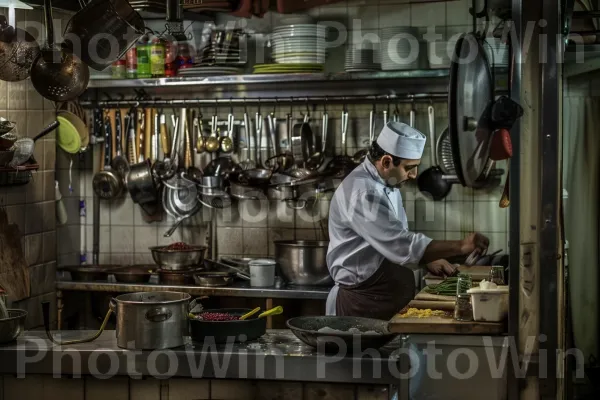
{"type": "Point", "coordinates": [238, 289]}
{"type": "Point", "coordinates": [278, 355]}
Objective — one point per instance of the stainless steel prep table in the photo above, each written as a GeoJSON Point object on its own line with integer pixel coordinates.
{"type": "Point", "coordinates": [238, 289]}
{"type": "Point", "coordinates": [278, 355]}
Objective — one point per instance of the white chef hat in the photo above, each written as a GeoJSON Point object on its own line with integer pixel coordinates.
{"type": "Point", "coordinates": [401, 140]}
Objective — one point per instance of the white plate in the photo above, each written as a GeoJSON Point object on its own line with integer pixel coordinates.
{"type": "Point", "coordinates": [299, 41]}
{"type": "Point", "coordinates": [300, 26]}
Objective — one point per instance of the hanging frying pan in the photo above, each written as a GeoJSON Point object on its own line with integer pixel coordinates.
{"type": "Point", "coordinates": [470, 98]}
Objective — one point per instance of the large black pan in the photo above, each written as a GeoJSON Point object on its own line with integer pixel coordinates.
{"type": "Point", "coordinates": [307, 330]}
{"type": "Point", "coordinates": [226, 331]}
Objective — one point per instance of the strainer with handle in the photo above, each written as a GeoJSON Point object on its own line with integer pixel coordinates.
{"type": "Point", "coordinates": [24, 147]}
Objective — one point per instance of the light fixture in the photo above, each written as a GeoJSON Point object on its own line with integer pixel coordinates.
{"type": "Point", "coordinates": [12, 5]}
{"type": "Point", "coordinates": [15, 4]}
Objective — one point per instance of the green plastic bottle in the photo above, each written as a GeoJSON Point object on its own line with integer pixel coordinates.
{"type": "Point", "coordinates": [143, 60]}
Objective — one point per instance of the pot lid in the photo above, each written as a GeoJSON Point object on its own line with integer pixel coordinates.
{"type": "Point", "coordinates": [470, 98]}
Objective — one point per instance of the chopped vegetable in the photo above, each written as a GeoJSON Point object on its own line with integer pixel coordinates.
{"type": "Point", "coordinates": [417, 313]}
{"type": "Point", "coordinates": [445, 288]}
{"type": "Point", "coordinates": [178, 246]}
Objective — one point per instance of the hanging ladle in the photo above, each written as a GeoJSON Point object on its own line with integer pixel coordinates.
{"type": "Point", "coordinates": [212, 142]}
{"type": "Point", "coordinates": [360, 155]}
{"type": "Point", "coordinates": [316, 160]}
{"type": "Point", "coordinates": [199, 130]}
{"type": "Point", "coordinates": [249, 163]}
{"type": "Point", "coordinates": [227, 141]}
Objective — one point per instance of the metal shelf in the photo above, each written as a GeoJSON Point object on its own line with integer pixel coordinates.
{"type": "Point", "coordinates": [265, 78]}
{"type": "Point", "coordinates": [381, 83]}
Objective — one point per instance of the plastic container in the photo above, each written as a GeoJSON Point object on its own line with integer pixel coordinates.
{"type": "Point", "coordinates": [262, 273]}
{"type": "Point", "coordinates": [489, 305]}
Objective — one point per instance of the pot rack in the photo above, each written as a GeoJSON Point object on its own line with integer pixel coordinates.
{"type": "Point", "coordinates": [236, 101]}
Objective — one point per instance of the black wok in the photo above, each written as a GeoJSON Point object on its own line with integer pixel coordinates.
{"type": "Point", "coordinates": [307, 330]}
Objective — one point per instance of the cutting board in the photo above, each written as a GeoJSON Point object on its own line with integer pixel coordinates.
{"type": "Point", "coordinates": [422, 295]}
{"type": "Point", "coordinates": [432, 304]}
{"type": "Point", "coordinates": [440, 325]}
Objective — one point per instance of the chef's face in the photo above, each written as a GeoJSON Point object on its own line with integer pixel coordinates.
{"type": "Point", "coordinates": [397, 175]}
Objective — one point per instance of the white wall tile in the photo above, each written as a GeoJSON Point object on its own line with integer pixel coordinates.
{"type": "Point", "coordinates": [457, 12]}
{"type": "Point", "coordinates": [122, 212]}
{"type": "Point", "coordinates": [430, 215]}
{"type": "Point", "coordinates": [489, 217]}
{"type": "Point", "coordinates": [229, 240]}
{"type": "Point", "coordinates": [255, 241]}
{"type": "Point", "coordinates": [122, 258]}
{"type": "Point", "coordinates": [363, 17]}
{"type": "Point", "coordinates": [394, 15]}
{"type": "Point", "coordinates": [428, 14]}
{"type": "Point", "coordinates": [498, 241]}
{"type": "Point", "coordinates": [254, 213]}
{"type": "Point", "coordinates": [145, 237]}
{"type": "Point", "coordinates": [104, 238]}
{"type": "Point", "coordinates": [459, 216]}
{"type": "Point", "coordinates": [121, 239]}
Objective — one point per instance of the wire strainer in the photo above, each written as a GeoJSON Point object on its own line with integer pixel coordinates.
{"type": "Point", "coordinates": [24, 147]}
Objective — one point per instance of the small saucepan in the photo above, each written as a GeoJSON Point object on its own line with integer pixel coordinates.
{"type": "Point", "coordinates": [214, 278]}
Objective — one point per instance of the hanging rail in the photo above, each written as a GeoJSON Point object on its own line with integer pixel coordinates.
{"type": "Point", "coordinates": [262, 100]}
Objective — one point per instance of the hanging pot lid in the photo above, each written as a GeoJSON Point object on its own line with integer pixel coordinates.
{"type": "Point", "coordinates": [470, 98]}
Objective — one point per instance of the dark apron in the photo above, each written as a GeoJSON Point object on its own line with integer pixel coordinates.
{"type": "Point", "coordinates": [381, 296]}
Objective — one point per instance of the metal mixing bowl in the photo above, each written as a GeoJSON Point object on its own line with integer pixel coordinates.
{"type": "Point", "coordinates": [176, 260]}
{"type": "Point", "coordinates": [303, 262]}
{"type": "Point", "coordinates": [11, 327]}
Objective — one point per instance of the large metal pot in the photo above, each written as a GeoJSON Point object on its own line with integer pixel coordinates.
{"type": "Point", "coordinates": [141, 185]}
{"type": "Point", "coordinates": [149, 321]}
{"type": "Point", "coordinates": [303, 262]}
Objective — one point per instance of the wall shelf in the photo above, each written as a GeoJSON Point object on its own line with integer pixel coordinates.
{"type": "Point", "coordinates": [297, 85]}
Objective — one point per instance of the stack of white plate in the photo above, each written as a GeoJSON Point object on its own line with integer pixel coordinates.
{"type": "Point", "coordinates": [497, 52]}
{"type": "Point", "coordinates": [299, 43]}
{"type": "Point", "coordinates": [362, 60]}
{"type": "Point", "coordinates": [400, 48]}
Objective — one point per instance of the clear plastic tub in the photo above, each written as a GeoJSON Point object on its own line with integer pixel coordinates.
{"type": "Point", "coordinates": [489, 305]}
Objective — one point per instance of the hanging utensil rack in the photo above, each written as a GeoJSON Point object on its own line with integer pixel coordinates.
{"type": "Point", "coordinates": [408, 98]}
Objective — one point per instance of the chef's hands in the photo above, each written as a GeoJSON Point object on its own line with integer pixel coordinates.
{"type": "Point", "coordinates": [441, 268]}
{"type": "Point", "coordinates": [475, 241]}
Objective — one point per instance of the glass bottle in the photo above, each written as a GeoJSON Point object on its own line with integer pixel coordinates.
{"type": "Point", "coordinates": [463, 284]}
{"type": "Point", "coordinates": [497, 274]}
{"type": "Point", "coordinates": [462, 309]}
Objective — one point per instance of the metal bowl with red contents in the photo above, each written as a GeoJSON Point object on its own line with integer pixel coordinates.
{"type": "Point", "coordinates": [178, 256]}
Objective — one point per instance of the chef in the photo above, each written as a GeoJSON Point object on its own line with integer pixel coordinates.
{"type": "Point", "coordinates": [370, 244]}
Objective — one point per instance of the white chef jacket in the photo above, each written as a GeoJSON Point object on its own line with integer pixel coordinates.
{"type": "Point", "coordinates": [367, 224]}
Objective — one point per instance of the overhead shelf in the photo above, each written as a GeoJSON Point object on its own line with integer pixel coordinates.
{"type": "Point", "coordinates": [302, 84]}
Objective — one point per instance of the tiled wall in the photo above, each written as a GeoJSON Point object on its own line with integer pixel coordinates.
{"type": "Point", "coordinates": [32, 206]}
{"type": "Point", "coordinates": [250, 227]}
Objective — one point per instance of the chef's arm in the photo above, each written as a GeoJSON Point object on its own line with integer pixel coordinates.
{"type": "Point", "coordinates": [438, 249]}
